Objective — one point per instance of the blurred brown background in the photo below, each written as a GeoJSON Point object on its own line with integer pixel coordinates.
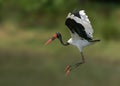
{"type": "Point", "coordinates": [25, 25]}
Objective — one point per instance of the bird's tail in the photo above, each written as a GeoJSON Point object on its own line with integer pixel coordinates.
{"type": "Point", "coordinates": [95, 40]}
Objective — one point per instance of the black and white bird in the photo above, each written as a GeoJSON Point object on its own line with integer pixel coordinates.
{"type": "Point", "coordinates": [81, 34]}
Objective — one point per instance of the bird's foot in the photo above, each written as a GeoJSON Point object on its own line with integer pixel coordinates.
{"type": "Point", "coordinates": [67, 70]}
{"type": "Point", "coordinates": [72, 67]}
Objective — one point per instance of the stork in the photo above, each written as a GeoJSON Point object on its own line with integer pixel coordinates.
{"type": "Point", "coordinates": [81, 34]}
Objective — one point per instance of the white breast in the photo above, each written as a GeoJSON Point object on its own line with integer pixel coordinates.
{"type": "Point", "coordinates": [78, 42]}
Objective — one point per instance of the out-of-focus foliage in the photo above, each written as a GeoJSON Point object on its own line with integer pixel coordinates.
{"type": "Point", "coordinates": [29, 12]}
{"type": "Point", "coordinates": [36, 6]}
{"type": "Point", "coordinates": [50, 13]}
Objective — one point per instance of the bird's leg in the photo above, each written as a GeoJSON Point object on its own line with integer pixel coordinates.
{"type": "Point", "coordinates": [82, 62]}
{"type": "Point", "coordinates": [71, 67]}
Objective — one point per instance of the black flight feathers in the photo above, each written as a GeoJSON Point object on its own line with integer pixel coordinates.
{"type": "Point", "coordinates": [76, 13]}
{"type": "Point", "coordinates": [77, 27]}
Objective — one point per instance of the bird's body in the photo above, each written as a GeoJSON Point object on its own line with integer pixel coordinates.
{"type": "Point", "coordinates": [79, 43]}
{"type": "Point", "coordinates": [81, 34]}
{"type": "Point", "coordinates": [80, 29]}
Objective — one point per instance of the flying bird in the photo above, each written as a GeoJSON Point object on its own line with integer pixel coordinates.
{"type": "Point", "coordinates": [81, 34]}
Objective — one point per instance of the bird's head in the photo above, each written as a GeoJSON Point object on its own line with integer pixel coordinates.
{"type": "Point", "coordinates": [56, 35]}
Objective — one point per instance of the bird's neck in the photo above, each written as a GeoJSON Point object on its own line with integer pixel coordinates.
{"type": "Point", "coordinates": [61, 41]}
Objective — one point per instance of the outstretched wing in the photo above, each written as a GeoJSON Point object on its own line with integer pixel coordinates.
{"type": "Point", "coordinates": [79, 23]}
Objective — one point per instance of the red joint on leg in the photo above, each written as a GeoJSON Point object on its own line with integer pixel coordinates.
{"type": "Point", "coordinates": [68, 70]}
{"type": "Point", "coordinates": [55, 35]}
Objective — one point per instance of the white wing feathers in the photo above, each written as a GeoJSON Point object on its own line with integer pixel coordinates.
{"type": "Point", "coordinates": [82, 20]}
{"type": "Point", "coordinates": [84, 17]}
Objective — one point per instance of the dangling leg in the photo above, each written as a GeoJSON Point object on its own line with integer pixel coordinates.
{"type": "Point", "coordinates": [71, 67]}
{"type": "Point", "coordinates": [82, 62]}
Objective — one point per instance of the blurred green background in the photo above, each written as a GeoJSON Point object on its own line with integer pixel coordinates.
{"type": "Point", "coordinates": [25, 25]}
